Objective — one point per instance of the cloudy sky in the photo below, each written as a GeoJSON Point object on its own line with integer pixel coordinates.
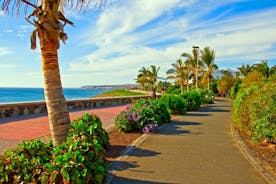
{"type": "Point", "coordinates": [109, 45]}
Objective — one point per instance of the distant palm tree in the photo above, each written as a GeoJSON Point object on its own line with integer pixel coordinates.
{"type": "Point", "coordinates": [49, 26]}
{"type": "Point", "coordinates": [262, 68]}
{"type": "Point", "coordinates": [153, 76]}
{"type": "Point", "coordinates": [208, 59]}
{"type": "Point", "coordinates": [147, 78]}
{"type": "Point", "coordinates": [178, 73]}
{"type": "Point", "coordinates": [272, 70]}
{"type": "Point", "coordinates": [244, 70]}
{"type": "Point", "coordinates": [142, 78]}
{"type": "Point", "coordinates": [191, 62]}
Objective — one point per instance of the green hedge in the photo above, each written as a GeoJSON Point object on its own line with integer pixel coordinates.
{"type": "Point", "coordinates": [254, 111]}
{"type": "Point", "coordinates": [175, 104]}
{"type": "Point", "coordinates": [207, 97]}
{"type": "Point", "coordinates": [193, 98]}
{"type": "Point", "coordinates": [80, 159]}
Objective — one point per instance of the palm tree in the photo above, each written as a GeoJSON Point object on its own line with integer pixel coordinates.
{"type": "Point", "coordinates": [49, 26]}
{"type": "Point", "coordinates": [142, 78]}
{"type": "Point", "coordinates": [191, 62]}
{"type": "Point", "coordinates": [262, 68]}
{"type": "Point", "coordinates": [208, 59]}
{"type": "Point", "coordinates": [152, 77]}
{"type": "Point", "coordinates": [178, 72]}
{"type": "Point", "coordinates": [272, 70]}
{"type": "Point", "coordinates": [244, 70]}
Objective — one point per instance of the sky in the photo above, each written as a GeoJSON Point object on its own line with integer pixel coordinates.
{"type": "Point", "coordinates": [108, 45]}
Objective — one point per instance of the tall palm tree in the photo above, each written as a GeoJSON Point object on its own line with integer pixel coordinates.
{"type": "Point", "coordinates": [152, 77]}
{"type": "Point", "coordinates": [208, 59]}
{"type": "Point", "coordinates": [244, 70]}
{"type": "Point", "coordinates": [178, 73]}
{"type": "Point", "coordinates": [49, 26]}
{"type": "Point", "coordinates": [191, 63]}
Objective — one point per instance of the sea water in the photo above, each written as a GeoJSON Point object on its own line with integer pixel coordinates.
{"type": "Point", "coordinates": [9, 95]}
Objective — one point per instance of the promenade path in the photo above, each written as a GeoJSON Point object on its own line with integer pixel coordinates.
{"type": "Point", "coordinates": [15, 130]}
{"type": "Point", "coordinates": [196, 148]}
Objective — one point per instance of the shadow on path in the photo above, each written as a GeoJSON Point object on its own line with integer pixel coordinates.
{"type": "Point", "coordinates": [137, 153]}
{"type": "Point", "coordinates": [198, 114]}
{"type": "Point", "coordinates": [122, 165]}
{"type": "Point", "coordinates": [122, 180]}
{"type": "Point", "coordinates": [176, 128]}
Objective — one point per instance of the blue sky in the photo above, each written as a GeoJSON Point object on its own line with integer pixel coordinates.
{"type": "Point", "coordinates": [110, 45]}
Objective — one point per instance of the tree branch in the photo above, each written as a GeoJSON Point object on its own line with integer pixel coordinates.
{"type": "Point", "coordinates": [30, 4]}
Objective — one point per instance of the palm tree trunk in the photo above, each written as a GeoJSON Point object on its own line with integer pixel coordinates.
{"type": "Point", "coordinates": [208, 80]}
{"type": "Point", "coordinates": [181, 88]}
{"type": "Point", "coordinates": [58, 115]}
{"type": "Point", "coordinates": [188, 80]}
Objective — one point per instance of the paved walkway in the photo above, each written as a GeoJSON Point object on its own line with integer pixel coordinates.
{"type": "Point", "coordinates": [15, 130]}
{"type": "Point", "coordinates": [196, 148]}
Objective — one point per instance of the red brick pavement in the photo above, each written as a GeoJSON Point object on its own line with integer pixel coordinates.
{"type": "Point", "coordinates": [35, 127]}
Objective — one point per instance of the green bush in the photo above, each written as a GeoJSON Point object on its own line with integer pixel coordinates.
{"type": "Point", "coordinates": [240, 109]}
{"type": "Point", "coordinates": [24, 163]}
{"type": "Point", "coordinates": [77, 160]}
{"type": "Point", "coordinates": [175, 104]}
{"type": "Point", "coordinates": [262, 112]}
{"type": "Point", "coordinates": [141, 113]}
{"type": "Point", "coordinates": [254, 110]}
{"type": "Point", "coordinates": [173, 89]}
{"type": "Point", "coordinates": [235, 88]}
{"type": "Point", "coordinates": [193, 98]}
{"type": "Point", "coordinates": [207, 97]}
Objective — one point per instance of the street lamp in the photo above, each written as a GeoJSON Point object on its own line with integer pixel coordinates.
{"type": "Point", "coordinates": [196, 48]}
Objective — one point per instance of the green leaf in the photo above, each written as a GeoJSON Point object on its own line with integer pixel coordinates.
{"type": "Point", "coordinates": [83, 172]}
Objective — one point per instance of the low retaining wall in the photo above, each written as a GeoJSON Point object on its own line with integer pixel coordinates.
{"type": "Point", "coordinates": [26, 108]}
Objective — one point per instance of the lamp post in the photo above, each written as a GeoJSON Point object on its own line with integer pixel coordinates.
{"type": "Point", "coordinates": [196, 48]}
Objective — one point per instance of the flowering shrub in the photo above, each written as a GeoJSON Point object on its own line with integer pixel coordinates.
{"type": "Point", "coordinates": [141, 113]}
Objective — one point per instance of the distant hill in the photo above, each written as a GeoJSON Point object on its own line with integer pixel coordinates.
{"type": "Point", "coordinates": [119, 86]}
{"type": "Point", "coordinates": [219, 73]}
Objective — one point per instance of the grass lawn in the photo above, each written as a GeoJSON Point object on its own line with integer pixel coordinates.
{"type": "Point", "coordinates": [119, 92]}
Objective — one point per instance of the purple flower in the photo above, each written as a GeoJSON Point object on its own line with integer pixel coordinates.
{"type": "Point", "coordinates": [146, 130]}
{"type": "Point", "coordinates": [135, 116]}
{"type": "Point", "coordinates": [150, 128]}
{"type": "Point", "coordinates": [128, 106]}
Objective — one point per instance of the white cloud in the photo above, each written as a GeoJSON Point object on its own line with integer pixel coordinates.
{"type": "Point", "coordinates": [7, 30]}
{"type": "Point", "coordinates": [1, 12]}
{"type": "Point", "coordinates": [126, 35]}
{"type": "Point", "coordinates": [5, 51]}
{"type": "Point", "coordinates": [7, 66]}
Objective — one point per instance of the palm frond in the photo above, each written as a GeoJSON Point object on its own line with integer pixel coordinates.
{"type": "Point", "coordinates": [19, 6]}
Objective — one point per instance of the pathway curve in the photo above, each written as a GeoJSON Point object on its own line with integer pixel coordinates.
{"type": "Point", "coordinates": [15, 130]}
{"type": "Point", "coordinates": [196, 148]}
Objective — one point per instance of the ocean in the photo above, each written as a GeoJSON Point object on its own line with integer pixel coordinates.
{"type": "Point", "coordinates": [9, 95]}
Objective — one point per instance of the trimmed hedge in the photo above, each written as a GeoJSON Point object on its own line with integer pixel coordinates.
{"type": "Point", "coordinates": [254, 111]}
{"type": "Point", "coordinates": [193, 98]}
{"type": "Point", "coordinates": [175, 104]}
{"type": "Point", "coordinates": [207, 97]}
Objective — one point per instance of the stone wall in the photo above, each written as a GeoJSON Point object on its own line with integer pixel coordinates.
{"type": "Point", "coordinates": [25, 108]}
